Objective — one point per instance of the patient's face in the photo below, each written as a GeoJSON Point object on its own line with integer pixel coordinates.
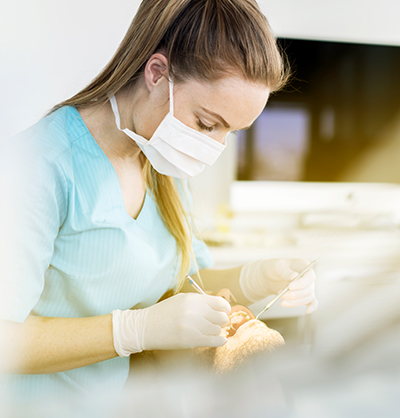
{"type": "Point", "coordinates": [246, 337]}
{"type": "Point", "coordinates": [251, 337]}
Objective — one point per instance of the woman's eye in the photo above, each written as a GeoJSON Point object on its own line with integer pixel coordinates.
{"type": "Point", "coordinates": [204, 127]}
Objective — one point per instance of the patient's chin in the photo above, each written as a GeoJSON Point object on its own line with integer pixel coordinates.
{"type": "Point", "coordinates": [250, 338]}
{"type": "Point", "coordinates": [246, 337]}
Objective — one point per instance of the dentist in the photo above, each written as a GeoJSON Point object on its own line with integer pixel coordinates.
{"type": "Point", "coordinates": [101, 224]}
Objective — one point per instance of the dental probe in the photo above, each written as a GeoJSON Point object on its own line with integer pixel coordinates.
{"type": "Point", "coordinates": [195, 285]}
{"type": "Point", "coordinates": [283, 291]}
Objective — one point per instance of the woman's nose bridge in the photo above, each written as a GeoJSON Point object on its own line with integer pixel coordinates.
{"type": "Point", "coordinates": [221, 137]}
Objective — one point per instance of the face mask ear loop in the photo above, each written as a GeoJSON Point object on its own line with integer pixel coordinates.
{"type": "Point", "coordinates": [171, 97]}
{"type": "Point", "coordinates": [114, 106]}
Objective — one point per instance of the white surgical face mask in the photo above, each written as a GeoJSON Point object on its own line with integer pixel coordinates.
{"type": "Point", "coordinates": [175, 149]}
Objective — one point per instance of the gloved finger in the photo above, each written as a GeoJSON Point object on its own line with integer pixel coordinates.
{"type": "Point", "coordinates": [214, 341]}
{"type": "Point", "coordinates": [282, 270]}
{"type": "Point", "coordinates": [298, 294]}
{"type": "Point", "coordinates": [312, 307]}
{"type": "Point", "coordinates": [218, 303]}
{"type": "Point", "coordinates": [207, 328]}
{"type": "Point", "coordinates": [298, 264]}
{"type": "Point", "coordinates": [307, 280]}
{"type": "Point", "coordinates": [297, 302]}
{"type": "Point", "coordinates": [217, 317]}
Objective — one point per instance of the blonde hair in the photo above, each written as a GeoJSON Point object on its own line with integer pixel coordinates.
{"type": "Point", "coordinates": [202, 40]}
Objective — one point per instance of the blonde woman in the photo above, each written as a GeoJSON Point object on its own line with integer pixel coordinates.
{"type": "Point", "coordinates": [102, 229]}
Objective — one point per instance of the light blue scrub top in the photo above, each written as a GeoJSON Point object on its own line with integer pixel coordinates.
{"type": "Point", "coordinates": [74, 251]}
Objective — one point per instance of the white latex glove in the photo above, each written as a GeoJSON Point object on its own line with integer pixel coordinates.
{"type": "Point", "coordinates": [262, 278]}
{"type": "Point", "coordinates": [182, 321]}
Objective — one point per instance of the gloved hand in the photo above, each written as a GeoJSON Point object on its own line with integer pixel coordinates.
{"type": "Point", "coordinates": [182, 321]}
{"type": "Point", "coordinates": [262, 278]}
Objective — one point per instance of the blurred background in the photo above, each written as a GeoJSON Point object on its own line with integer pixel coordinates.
{"type": "Point", "coordinates": [318, 172]}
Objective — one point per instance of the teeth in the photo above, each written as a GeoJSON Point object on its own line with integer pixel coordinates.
{"type": "Point", "coordinates": [228, 328]}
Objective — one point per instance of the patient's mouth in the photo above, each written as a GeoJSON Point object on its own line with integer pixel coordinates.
{"type": "Point", "coordinates": [239, 316]}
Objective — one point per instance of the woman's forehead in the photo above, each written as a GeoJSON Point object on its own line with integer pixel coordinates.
{"type": "Point", "coordinates": [237, 100]}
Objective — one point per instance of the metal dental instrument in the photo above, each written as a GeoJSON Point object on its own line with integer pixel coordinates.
{"type": "Point", "coordinates": [283, 291]}
{"type": "Point", "coordinates": [195, 285]}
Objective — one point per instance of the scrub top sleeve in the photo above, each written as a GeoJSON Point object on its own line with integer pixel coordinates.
{"type": "Point", "coordinates": [33, 193]}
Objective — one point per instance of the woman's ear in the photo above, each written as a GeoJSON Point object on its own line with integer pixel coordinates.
{"type": "Point", "coordinates": [156, 68]}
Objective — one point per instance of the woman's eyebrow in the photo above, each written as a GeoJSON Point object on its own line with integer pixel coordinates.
{"type": "Point", "coordinates": [219, 117]}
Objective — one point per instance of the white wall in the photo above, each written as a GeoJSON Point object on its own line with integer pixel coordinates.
{"type": "Point", "coordinates": [360, 21]}
{"type": "Point", "coordinates": [50, 49]}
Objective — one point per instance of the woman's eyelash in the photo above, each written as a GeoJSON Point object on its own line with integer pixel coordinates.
{"type": "Point", "coordinates": [204, 127]}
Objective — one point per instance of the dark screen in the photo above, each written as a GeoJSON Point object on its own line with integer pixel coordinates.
{"type": "Point", "coordinates": [338, 102]}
